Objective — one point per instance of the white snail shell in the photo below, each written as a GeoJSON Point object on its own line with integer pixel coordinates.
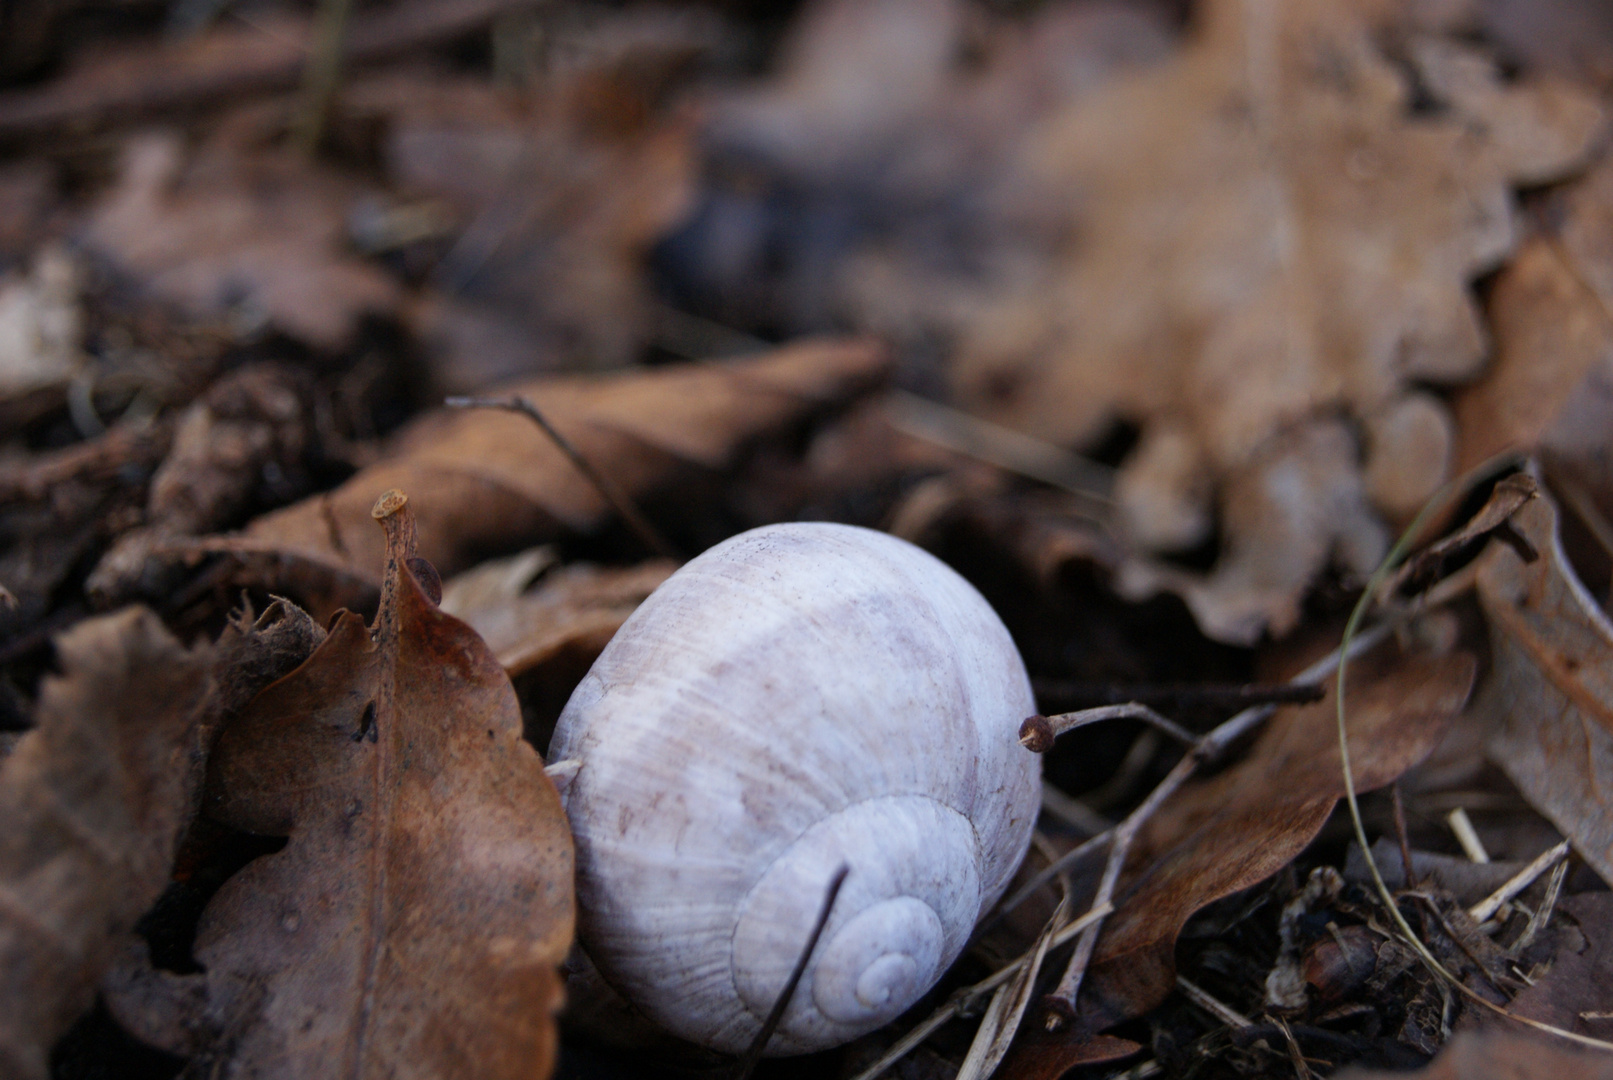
{"type": "Point", "coordinates": [797, 698]}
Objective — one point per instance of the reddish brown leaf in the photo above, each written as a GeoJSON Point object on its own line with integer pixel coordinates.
{"type": "Point", "coordinates": [93, 800]}
{"type": "Point", "coordinates": [1231, 831]}
{"type": "Point", "coordinates": [1551, 687]}
{"type": "Point", "coordinates": [487, 479]}
{"type": "Point", "coordinates": [413, 924]}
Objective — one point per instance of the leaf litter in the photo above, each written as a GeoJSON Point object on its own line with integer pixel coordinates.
{"type": "Point", "coordinates": [1228, 253]}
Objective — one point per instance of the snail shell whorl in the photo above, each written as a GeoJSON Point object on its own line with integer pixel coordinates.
{"type": "Point", "coordinates": [798, 697]}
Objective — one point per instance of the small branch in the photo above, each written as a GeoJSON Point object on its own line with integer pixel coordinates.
{"type": "Point", "coordinates": [1517, 883]}
{"type": "Point", "coordinates": [1079, 694]}
{"type": "Point", "coordinates": [613, 495]}
{"type": "Point", "coordinates": [1037, 733]}
{"type": "Point", "coordinates": [1060, 1003]}
{"type": "Point", "coordinates": [753, 1054]}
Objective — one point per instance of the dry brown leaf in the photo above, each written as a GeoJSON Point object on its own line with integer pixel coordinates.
{"type": "Point", "coordinates": [250, 421]}
{"type": "Point", "coordinates": [258, 234]}
{"type": "Point", "coordinates": [486, 480]}
{"type": "Point", "coordinates": [1239, 827]}
{"type": "Point", "coordinates": [1549, 389]}
{"type": "Point", "coordinates": [1577, 993]}
{"type": "Point", "coordinates": [94, 799]}
{"type": "Point", "coordinates": [575, 609]}
{"type": "Point", "coordinates": [1551, 684]}
{"type": "Point", "coordinates": [561, 190]}
{"type": "Point", "coordinates": [1494, 1055]}
{"type": "Point", "coordinates": [414, 923]}
{"type": "Point", "coordinates": [1269, 234]}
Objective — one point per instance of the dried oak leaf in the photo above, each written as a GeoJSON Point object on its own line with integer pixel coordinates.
{"type": "Point", "coordinates": [238, 230]}
{"type": "Point", "coordinates": [1551, 686]}
{"type": "Point", "coordinates": [414, 922]}
{"type": "Point", "coordinates": [93, 798]}
{"type": "Point", "coordinates": [1239, 827]}
{"type": "Point", "coordinates": [1270, 233]}
{"type": "Point", "coordinates": [487, 480]}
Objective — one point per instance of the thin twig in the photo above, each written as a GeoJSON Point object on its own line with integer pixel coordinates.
{"type": "Point", "coordinates": [321, 76]}
{"type": "Point", "coordinates": [1401, 837]}
{"type": "Point", "coordinates": [1037, 733]}
{"type": "Point", "coordinates": [613, 495]}
{"type": "Point", "coordinates": [1061, 1003]}
{"type": "Point", "coordinates": [1211, 1004]}
{"type": "Point", "coordinates": [753, 1053]}
{"type": "Point", "coordinates": [1396, 555]}
{"type": "Point", "coordinates": [958, 1001]}
{"type": "Point", "coordinates": [1542, 915]}
{"type": "Point", "coordinates": [1517, 883]}
{"type": "Point", "coordinates": [1197, 697]}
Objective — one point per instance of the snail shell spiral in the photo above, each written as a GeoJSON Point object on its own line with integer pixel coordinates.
{"type": "Point", "coordinates": [797, 698]}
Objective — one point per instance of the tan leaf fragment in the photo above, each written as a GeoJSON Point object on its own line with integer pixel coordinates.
{"type": "Point", "coordinates": [1551, 685]}
{"type": "Point", "coordinates": [93, 798]}
{"type": "Point", "coordinates": [486, 479]}
{"type": "Point", "coordinates": [414, 923]}
{"type": "Point", "coordinates": [1268, 233]}
{"type": "Point", "coordinates": [575, 609]}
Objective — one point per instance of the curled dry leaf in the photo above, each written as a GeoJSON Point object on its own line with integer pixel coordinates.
{"type": "Point", "coordinates": [93, 800]}
{"type": "Point", "coordinates": [1549, 388]}
{"type": "Point", "coordinates": [1551, 687]}
{"type": "Point", "coordinates": [490, 479]}
{"type": "Point", "coordinates": [1268, 236]}
{"type": "Point", "coordinates": [414, 922]}
{"type": "Point", "coordinates": [1239, 827]}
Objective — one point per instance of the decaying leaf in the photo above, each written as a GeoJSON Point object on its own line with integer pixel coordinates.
{"type": "Point", "coordinates": [250, 421]}
{"type": "Point", "coordinates": [94, 799]}
{"type": "Point", "coordinates": [1241, 826]}
{"type": "Point", "coordinates": [1487, 1055]}
{"type": "Point", "coordinates": [255, 234]}
{"type": "Point", "coordinates": [577, 608]}
{"type": "Point", "coordinates": [1576, 994]}
{"type": "Point", "coordinates": [487, 480]}
{"type": "Point", "coordinates": [1269, 233]}
{"type": "Point", "coordinates": [414, 923]}
{"type": "Point", "coordinates": [1551, 685]}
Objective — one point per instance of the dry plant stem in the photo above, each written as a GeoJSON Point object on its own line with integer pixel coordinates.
{"type": "Point", "coordinates": [1481, 911]}
{"type": "Point", "coordinates": [753, 1054]}
{"type": "Point", "coordinates": [1061, 1002]}
{"type": "Point", "coordinates": [1045, 875]}
{"type": "Point", "coordinates": [1467, 836]}
{"type": "Point", "coordinates": [612, 494]}
{"type": "Point", "coordinates": [960, 1000]}
{"type": "Point", "coordinates": [1005, 448]}
{"type": "Point", "coordinates": [1212, 1004]}
{"type": "Point", "coordinates": [1038, 732]}
{"type": "Point", "coordinates": [1008, 1005]}
{"type": "Point", "coordinates": [321, 76]}
{"type": "Point", "coordinates": [1346, 651]}
{"type": "Point", "coordinates": [1538, 921]}
{"type": "Point", "coordinates": [1401, 837]}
